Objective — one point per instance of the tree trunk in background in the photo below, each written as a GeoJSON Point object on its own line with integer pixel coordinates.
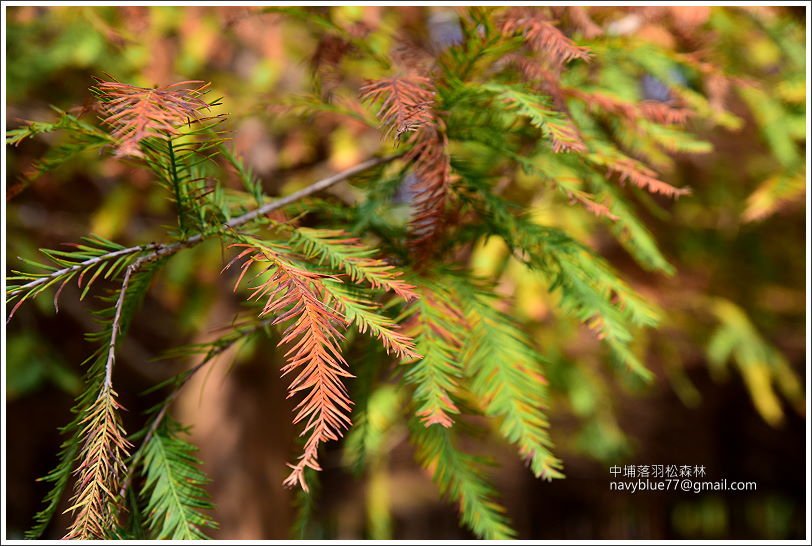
{"type": "Point", "coordinates": [241, 423]}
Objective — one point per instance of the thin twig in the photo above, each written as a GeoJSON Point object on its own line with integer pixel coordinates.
{"type": "Point", "coordinates": [87, 263]}
{"type": "Point", "coordinates": [163, 249]}
{"type": "Point", "coordinates": [315, 187]}
{"type": "Point", "coordinates": [116, 326]}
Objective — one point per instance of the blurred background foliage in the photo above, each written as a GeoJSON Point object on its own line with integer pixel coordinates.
{"type": "Point", "coordinates": [729, 356]}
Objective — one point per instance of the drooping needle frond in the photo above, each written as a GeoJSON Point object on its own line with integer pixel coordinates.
{"type": "Point", "coordinates": [407, 106]}
{"type": "Point", "coordinates": [293, 293]}
{"type": "Point", "coordinates": [432, 185]}
{"type": "Point", "coordinates": [102, 456]}
{"type": "Point", "coordinates": [438, 327]}
{"type": "Point", "coordinates": [173, 489]}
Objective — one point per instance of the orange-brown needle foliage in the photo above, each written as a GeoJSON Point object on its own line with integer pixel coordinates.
{"type": "Point", "coordinates": [542, 36]}
{"type": "Point", "coordinates": [407, 102]}
{"type": "Point", "coordinates": [432, 169]}
{"type": "Point", "coordinates": [294, 293]}
{"type": "Point", "coordinates": [641, 176]}
{"type": "Point", "coordinates": [406, 107]}
{"type": "Point", "coordinates": [135, 113]}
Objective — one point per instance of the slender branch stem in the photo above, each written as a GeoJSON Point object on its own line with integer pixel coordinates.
{"type": "Point", "coordinates": [163, 249]}
{"type": "Point", "coordinates": [85, 264]}
{"type": "Point", "coordinates": [116, 327]}
{"type": "Point", "coordinates": [315, 187]}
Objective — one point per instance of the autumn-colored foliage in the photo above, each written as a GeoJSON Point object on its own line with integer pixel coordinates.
{"type": "Point", "coordinates": [134, 113]}
{"type": "Point", "coordinates": [467, 257]}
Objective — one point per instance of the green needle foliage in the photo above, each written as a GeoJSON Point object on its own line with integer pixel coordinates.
{"type": "Point", "coordinates": [507, 378]}
{"type": "Point", "coordinates": [95, 410]}
{"type": "Point", "coordinates": [461, 477]}
{"type": "Point", "coordinates": [439, 330]}
{"type": "Point", "coordinates": [531, 129]}
{"type": "Point", "coordinates": [174, 496]}
{"type": "Point", "coordinates": [83, 138]}
{"type": "Point", "coordinates": [97, 258]}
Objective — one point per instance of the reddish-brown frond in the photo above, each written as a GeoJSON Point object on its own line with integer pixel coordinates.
{"type": "Point", "coordinates": [347, 253]}
{"type": "Point", "coordinates": [542, 36]}
{"type": "Point", "coordinates": [100, 472]}
{"type": "Point", "coordinates": [407, 106]}
{"type": "Point", "coordinates": [641, 176]}
{"type": "Point", "coordinates": [407, 102]}
{"type": "Point", "coordinates": [432, 172]}
{"type": "Point", "coordinates": [296, 294]}
{"type": "Point", "coordinates": [564, 136]}
{"type": "Point", "coordinates": [660, 112]}
{"type": "Point", "coordinates": [610, 104]}
{"type": "Point", "coordinates": [594, 207]}
{"type": "Point", "coordinates": [135, 113]}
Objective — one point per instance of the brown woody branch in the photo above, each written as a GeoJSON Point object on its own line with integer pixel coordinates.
{"type": "Point", "coordinates": [159, 250]}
